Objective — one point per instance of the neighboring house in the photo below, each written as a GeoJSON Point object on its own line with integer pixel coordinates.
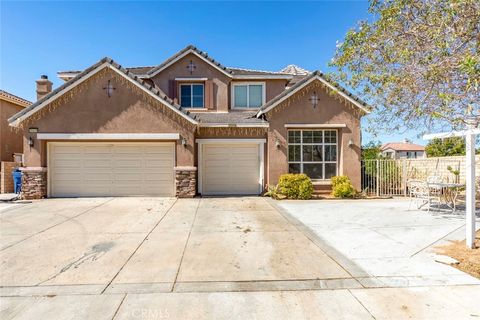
{"type": "Point", "coordinates": [11, 139]}
{"type": "Point", "coordinates": [187, 126]}
{"type": "Point", "coordinates": [401, 150]}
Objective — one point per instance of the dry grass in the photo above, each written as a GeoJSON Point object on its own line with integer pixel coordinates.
{"type": "Point", "coordinates": [469, 258]}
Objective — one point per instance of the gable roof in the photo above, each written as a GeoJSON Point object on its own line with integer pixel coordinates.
{"type": "Point", "coordinates": [402, 146]}
{"type": "Point", "coordinates": [10, 97]}
{"type": "Point", "coordinates": [316, 75]}
{"type": "Point", "coordinates": [106, 62]}
{"type": "Point", "coordinates": [231, 72]}
{"type": "Point", "coordinates": [182, 53]}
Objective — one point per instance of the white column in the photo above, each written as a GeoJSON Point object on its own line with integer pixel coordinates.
{"type": "Point", "coordinates": [470, 193]}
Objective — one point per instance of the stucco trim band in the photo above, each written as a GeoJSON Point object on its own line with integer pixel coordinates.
{"type": "Point", "coordinates": [315, 125]}
{"type": "Point", "coordinates": [230, 141]}
{"type": "Point", "coordinates": [108, 136]}
{"type": "Point", "coordinates": [234, 125]}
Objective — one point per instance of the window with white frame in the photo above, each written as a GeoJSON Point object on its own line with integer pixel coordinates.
{"type": "Point", "coordinates": [248, 95]}
{"type": "Point", "coordinates": [192, 95]}
{"type": "Point", "coordinates": [313, 152]}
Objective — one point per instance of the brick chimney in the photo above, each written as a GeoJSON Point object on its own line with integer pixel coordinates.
{"type": "Point", "coordinates": [44, 86]}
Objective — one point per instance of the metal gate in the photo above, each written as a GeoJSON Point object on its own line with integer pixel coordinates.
{"type": "Point", "coordinates": [383, 178]}
{"type": "Point", "coordinates": [388, 177]}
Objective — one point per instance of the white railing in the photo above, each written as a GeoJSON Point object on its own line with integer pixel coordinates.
{"type": "Point", "coordinates": [385, 177]}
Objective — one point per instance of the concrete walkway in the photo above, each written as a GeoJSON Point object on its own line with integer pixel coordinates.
{"type": "Point", "coordinates": [221, 258]}
{"type": "Point", "coordinates": [382, 243]}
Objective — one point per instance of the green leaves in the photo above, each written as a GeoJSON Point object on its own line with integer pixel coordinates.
{"type": "Point", "coordinates": [417, 62]}
{"type": "Point", "coordinates": [454, 146]}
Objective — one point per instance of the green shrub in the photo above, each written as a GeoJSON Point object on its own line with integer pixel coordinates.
{"type": "Point", "coordinates": [342, 187]}
{"type": "Point", "coordinates": [339, 180]}
{"type": "Point", "coordinates": [295, 186]}
{"type": "Point", "coordinates": [274, 193]}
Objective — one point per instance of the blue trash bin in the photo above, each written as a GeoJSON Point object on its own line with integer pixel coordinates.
{"type": "Point", "coordinates": [17, 181]}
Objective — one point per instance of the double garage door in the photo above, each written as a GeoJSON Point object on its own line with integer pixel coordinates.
{"type": "Point", "coordinates": [111, 169]}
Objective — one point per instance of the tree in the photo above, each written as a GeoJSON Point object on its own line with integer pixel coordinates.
{"type": "Point", "coordinates": [371, 150]}
{"type": "Point", "coordinates": [416, 62]}
{"type": "Point", "coordinates": [454, 146]}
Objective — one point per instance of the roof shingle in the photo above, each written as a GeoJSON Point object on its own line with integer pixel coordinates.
{"type": "Point", "coordinates": [402, 146]}
{"type": "Point", "coordinates": [232, 117]}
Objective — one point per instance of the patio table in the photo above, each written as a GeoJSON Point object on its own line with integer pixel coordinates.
{"type": "Point", "coordinates": [450, 192]}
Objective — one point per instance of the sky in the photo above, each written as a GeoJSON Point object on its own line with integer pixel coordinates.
{"type": "Point", "coordinates": [44, 37]}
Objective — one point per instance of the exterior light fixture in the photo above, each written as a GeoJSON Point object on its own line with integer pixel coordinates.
{"type": "Point", "coordinates": [277, 143]}
{"type": "Point", "coordinates": [30, 142]}
{"type": "Point", "coordinates": [184, 142]}
{"type": "Point", "coordinates": [350, 143]}
{"type": "Point", "coordinates": [314, 99]}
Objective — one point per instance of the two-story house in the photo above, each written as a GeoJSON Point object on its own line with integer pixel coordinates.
{"type": "Point", "coordinates": [187, 126]}
{"type": "Point", "coordinates": [402, 150]}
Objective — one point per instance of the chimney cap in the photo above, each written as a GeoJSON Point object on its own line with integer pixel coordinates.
{"type": "Point", "coordinates": [43, 76]}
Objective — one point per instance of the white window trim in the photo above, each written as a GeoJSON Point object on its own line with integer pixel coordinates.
{"type": "Point", "coordinates": [244, 83]}
{"type": "Point", "coordinates": [191, 84]}
{"type": "Point", "coordinates": [323, 162]}
{"type": "Point", "coordinates": [261, 146]}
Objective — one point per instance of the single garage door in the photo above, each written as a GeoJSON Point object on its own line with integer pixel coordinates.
{"type": "Point", "coordinates": [230, 169]}
{"type": "Point", "coordinates": [79, 169]}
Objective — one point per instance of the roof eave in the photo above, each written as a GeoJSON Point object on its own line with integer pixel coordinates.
{"type": "Point", "coordinates": [19, 117]}
{"type": "Point", "coordinates": [306, 81]}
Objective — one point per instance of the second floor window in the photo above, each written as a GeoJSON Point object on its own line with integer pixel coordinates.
{"type": "Point", "coordinates": [248, 95]}
{"type": "Point", "coordinates": [191, 95]}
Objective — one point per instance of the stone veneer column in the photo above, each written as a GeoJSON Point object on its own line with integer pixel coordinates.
{"type": "Point", "coordinates": [6, 179]}
{"type": "Point", "coordinates": [34, 183]}
{"type": "Point", "coordinates": [185, 182]}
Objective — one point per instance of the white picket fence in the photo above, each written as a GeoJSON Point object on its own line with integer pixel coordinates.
{"type": "Point", "coordinates": [385, 177]}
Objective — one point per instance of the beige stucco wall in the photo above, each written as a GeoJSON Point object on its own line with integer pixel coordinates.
{"type": "Point", "coordinates": [10, 139]}
{"type": "Point", "coordinates": [128, 110]}
{"type": "Point", "coordinates": [329, 111]}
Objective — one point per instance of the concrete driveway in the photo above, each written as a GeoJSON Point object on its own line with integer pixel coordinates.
{"type": "Point", "coordinates": [162, 258]}
{"type": "Point", "coordinates": [383, 243]}
{"type": "Point", "coordinates": [126, 245]}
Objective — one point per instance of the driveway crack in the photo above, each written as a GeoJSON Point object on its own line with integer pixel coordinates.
{"type": "Point", "coordinates": [185, 247]}
{"type": "Point", "coordinates": [118, 308]}
{"type": "Point", "coordinates": [138, 247]}
{"type": "Point", "coordinates": [358, 300]}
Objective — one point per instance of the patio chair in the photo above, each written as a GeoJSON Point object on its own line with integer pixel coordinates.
{"type": "Point", "coordinates": [423, 193]}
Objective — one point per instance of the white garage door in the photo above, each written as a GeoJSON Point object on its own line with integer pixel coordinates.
{"type": "Point", "coordinates": [230, 169]}
{"type": "Point", "coordinates": [110, 169]}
